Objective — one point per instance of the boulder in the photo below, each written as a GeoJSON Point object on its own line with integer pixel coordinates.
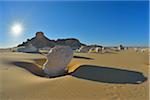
{"type": "Point", "coordinates": [57, 60]}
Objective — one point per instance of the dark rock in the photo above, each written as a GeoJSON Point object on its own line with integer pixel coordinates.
{"type": "Point", "coordinates": [40, 41]}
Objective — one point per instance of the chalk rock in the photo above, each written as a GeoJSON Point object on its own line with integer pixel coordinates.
{"type": "Point", "coordinates": [29, 49]}
{"type": "Point", "coordinates": [84, 49]}
{"type": "Point", "coordinates": [57, 60]}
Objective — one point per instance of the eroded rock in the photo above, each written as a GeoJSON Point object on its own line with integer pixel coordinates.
{"type": "Point", "coordinates": [57, 60]}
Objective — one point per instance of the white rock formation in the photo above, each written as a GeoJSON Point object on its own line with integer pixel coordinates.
{"type": "Point", "coordinates": [91, 50]}
{"type": "Point", "coordinates": [29, 49]}
{"type": "Point", "coordinates": [98, 49]}
{"type": "Point", "coordinates": [95, 50]}
{"type": "Point", "coordinates": [125, 48]}
{"type": "Point", "coordinates": [84, 49]}
{"type": "Point", "coordinates": [57, 60]}
{"type": "Point", "coordinates": [136, 49]}
{"type": "Point", "coordinates": [103, 50]}
{"type": "Point", "coordinates": [118, 48]}
{"type": "Point", "coordinates": [143, 50]}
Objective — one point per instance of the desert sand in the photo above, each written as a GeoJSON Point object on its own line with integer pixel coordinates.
{"type": "Point", "coordinates": [92, 76]}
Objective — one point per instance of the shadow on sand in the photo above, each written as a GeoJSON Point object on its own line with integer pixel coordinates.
{"type": "Point", "coordinates": [31, 67]}
{"type": "Point", "coordinates": [110, 52]}
{"type": "Point", "coordinates": [80, 57]}
{"type": "Point", "coordinates": [108, 75]}
{"type": "Point", "coordinates": [34, 68]}
{"type": "Point", "coordinates": [93, 73]}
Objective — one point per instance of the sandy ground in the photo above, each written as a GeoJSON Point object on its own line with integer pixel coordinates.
{"type": "Point", "coordinates": [109, 76]}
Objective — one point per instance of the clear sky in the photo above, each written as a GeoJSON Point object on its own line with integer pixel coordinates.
{"type": "Point", "coordinates": [104, 23]}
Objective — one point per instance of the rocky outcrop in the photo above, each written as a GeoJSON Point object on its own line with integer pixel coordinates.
{"type": "Point", "coordinates": [72, 42]}
{"type": "Point", "coordinates": [57, 60]}
{"type": "Point", "coordinates": [41, 41]}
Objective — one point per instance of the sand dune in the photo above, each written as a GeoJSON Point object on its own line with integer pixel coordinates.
{"type": "Point", "coordinates": [109, 76]}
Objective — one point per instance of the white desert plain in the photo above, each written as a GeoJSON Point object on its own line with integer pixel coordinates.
{"type": "Point", "coordinates": [121, 75]}
{"type": "Point", "coordinates": [74, 50]}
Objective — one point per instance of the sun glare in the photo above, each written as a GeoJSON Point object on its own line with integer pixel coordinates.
{"type": "Point", "coordinates": [16, 29]}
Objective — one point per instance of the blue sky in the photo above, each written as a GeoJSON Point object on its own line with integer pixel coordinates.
{"type": "Point", "coordinates": [108, 23]}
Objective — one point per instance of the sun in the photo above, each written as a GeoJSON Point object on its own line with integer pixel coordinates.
{"type": "Point", "coordinates": [16, 29]}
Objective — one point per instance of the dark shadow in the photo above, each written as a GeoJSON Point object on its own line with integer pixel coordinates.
{"type": "Point", "coordinates": [108, 75]}
{"type": "Point", "coordinates": [80, 57]}
{"type": "Point", "coordinates": [33, 68]}
{"type": "Point", "coordinates": [32, 52]}
{"type": "Point", "coordinates": [93, 73]}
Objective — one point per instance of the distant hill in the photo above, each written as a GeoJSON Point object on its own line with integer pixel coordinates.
{"type": "Point", "coordinates": [40, 41]}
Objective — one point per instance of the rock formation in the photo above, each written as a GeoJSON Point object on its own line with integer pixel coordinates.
{"type": "Point", "coordinates": [28, 49]}
{"type": "Point", "coordinates": [90, 48]}
{"type": "Point", "coordinates": [95, 50]}
{"type": "Point", "coordinates": [41, 41]}
{"type": "Point", "coordinates": [57, 60]}
{"type": "Point", "coordinates": [84, 49]}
